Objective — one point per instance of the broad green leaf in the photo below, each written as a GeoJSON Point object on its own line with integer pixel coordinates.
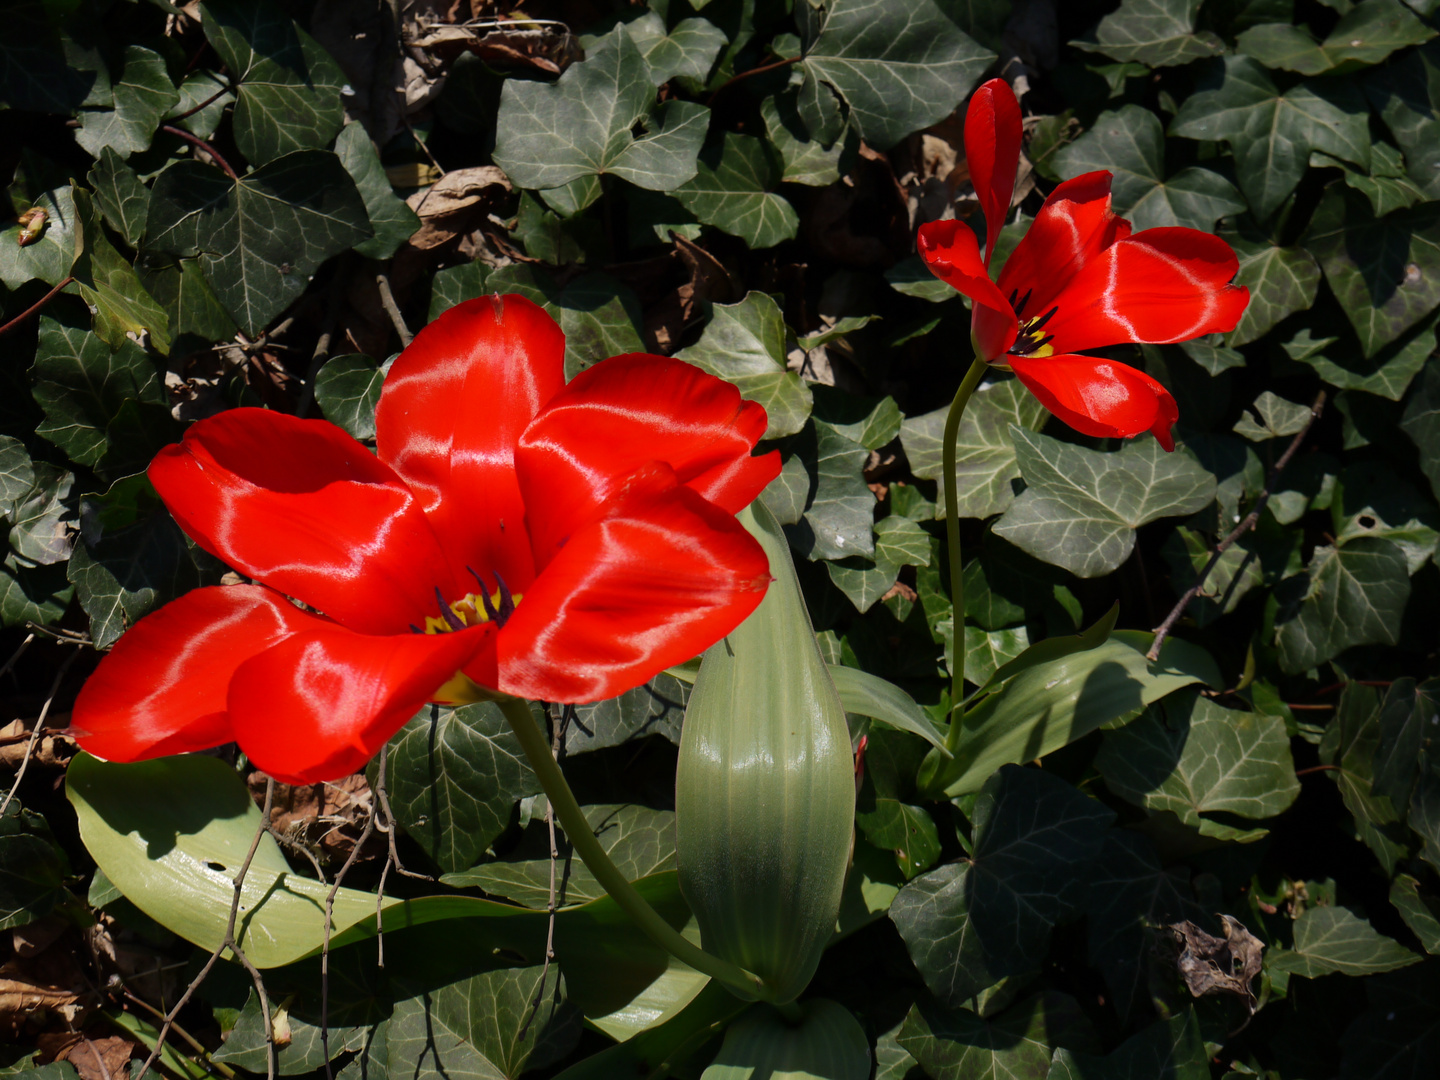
{"type": "Point", "coordinates": [732, 191]}
{"type": "Point", "coordinates": [289, 87]}
{"type": "Point", "coordinates": [1421, 422]}
{"type": "Point", "coordinates": [839, 506]}
{"type": "Point", "coordinates": [1420, 910]}
{"type": "Point", "coordinates": [549, 134]}
{"type": "Point", "coordinates": [1157, 33]}
{"type": "Point", "coordinates": [985, 465]}
{"type": "Point", "coordinates": [1047, 698]}
{"type": "Point", "coordinates": [639, 840]}
{"type": "Point", "coordinates": [34, 74]}
{"type": "Point", "coordinates": [1192, 757]}
{"type": "Point", "coordinates": [33, 868]}
{"type": "Point", "coordinates": [1131, 145]}
{"type": "Point", "coordinates": [869, 695]}
{"type": "Point", "coordinates": [689, 50]}
{"type": "Point", "coordinates": [967, 925]}
{"type": "Point", "coordinates": [1404, 93]}
{"type": "Point", "coordinates": [785, 495]}
{"type": "Point", "coordinates": [1365, 35]}
{"type": "Point", "coordinates": [1386, 185]}
{"type": "Point", "coordinates": [347, 389]}
{"type": "Point", "coordinates": [51, 256]}
{"type": "Point", "coordinates": [455, 776]}
{"type": "Point", "coordinates": [1277, 418]}
{"type": "Point", "coordinates": [900, 65]}
{"type": "Point", "coordinates": [1385, 272]}
{"type": "Point", "coordinates": [143, 94]}
{"type": "Point", "coordinates": [744, 343]}
{"type": "Point", "coordinates": [1281, 280]}
{"type": "Point", "coordinates": [1173, 1049]}
{"type": "Point", "coordinates": [807, 160]}
{"type": "Point", "coordinates": [175, 857]}
{"type": "Point", "coordinates": [1272, 133]}
{"type": "Point", "coordinates": [190, 303]}
{"type": "Point", "coordinates": [1406, 732]}
{"type": "Point", "coordinates": [260, 238]}
{"type": "Point", "coordinates": [198, 88]}
{"type": "Point", "coordinates": [17, 474]}
{"type": "Point", "coordinates": [1081, 508]}
{"type": "Point", "coordinates": [109, 285]}
{"type": "Point", "coordinates": [986, 651]}
{"type": "Point", "coordinates": [1370, 500]}
{"type": "Point", "coordinates": [246, 1047]}
{"type": "Point", "coordinates": [104, 408]}
{"type": "Point", "coordinates": [472, 1029]}
{"type": "Point", "coordinates": [132, 559]}
{"type": "Point", "coordinates": [869, 422]}
{"type": "Point", "coordinates": [41, 524]}
{"type": "Point", "coordinates": [31, 593]}
{"type": "Point", "coordinates": [1347, 596]}
{"type": "Point", "coordinates": [956, 1044]}
{"type": "Point", "coordinates": [1387, 374]}
{"type": "Point", "coordinates": [907, 831]}
{"type": "Point", "coordinates": [653, 708]}
{"type": "Point", "coordinates": [1349, 746]}
{"type": "Point", "coordinates": [390, 217]}
{"type": "Point", "coordinates": [899, 542]}
{"type": "Point", "coordinates": [1329, 939]}
{"type": "Point", "coordinates": [121, 195]}
{"type": "Point", "coordinates": [1130, 895]}
{"type": "Point", "coordinates": [670, 1036]}
{"type": "Point", "coordinates": [827, 1042]}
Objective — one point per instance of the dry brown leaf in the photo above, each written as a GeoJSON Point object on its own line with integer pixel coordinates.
{"type": "Point", "coordinates": [324, 819]}
{"type": "Point", "coordinates": [456, 204]}
{"type": "Point", "coordinates": [106, 1058]}
{"type": "Point", "coordinates": [1212, 965]}
{"type": "Point", "coordinates": [53, 749]}
{"type": "Point", "coordinates": [33, 986]}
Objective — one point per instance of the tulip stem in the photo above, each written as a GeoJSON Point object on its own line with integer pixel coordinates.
{"type": "Point", "coordinates": [952, 537]}
{"type": "Point", "coordinates": [611, 879]}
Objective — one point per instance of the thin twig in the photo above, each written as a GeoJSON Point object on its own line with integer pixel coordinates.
{"type": "Point", "coordinates": [556, 742]}
{"type": "Point", "coordinates": [196, 141]}
{"type": "Point", "coordinates": [226, 89]}
{"type": "Point", "coordinates": [1318, 768]}
{"type": "Point", "coordinates": [228, 942]}
{"type": "Point", "coordinates": [387, 301]}
{"type": "Point", "coordinates": [382, 793]}
{"type": "Point", "coordinates": [1313, 708]}
{"type": "Point", "coordinates": [33, 308]}
{"type": "Point", "coordinates": [325, 945]}
{"type": "Point", "coordinates": [39, 723]}
{"type": "Point", "coordinates": [95, 1052]}
{"type": "Point", "coordinates": [19, 652]}
{"type": "Point", "coordinates": [1251, 520]}
{"type": "Point", "coordinates": [753, 71]}
{"type": "Point", "coordinates": [194, 1043]}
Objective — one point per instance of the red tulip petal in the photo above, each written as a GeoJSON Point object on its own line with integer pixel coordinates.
{"type": "Point", "coordinates": [992, 152]}
{"type": "Point", "coordinates": [951, 252]}
{"type": "Point", "coordinates": [659, 577]}
{"type": "Point", "coordinates": [620, 415]}
{"type": "Point", "coordinates": [161, 689]}
{"type": "Point", "coordinates": [319, 705]}
{"type": "Point", "coordinates": [1099, 397]}
{"type": "Point", "coordinates": [305, 508]}
{"type": "Point", "coordinates": [1160, 285]}
{"type": "Point", "coordinates": [453, 407]}
{"type": "Point", "coordinates": [1071, 230]}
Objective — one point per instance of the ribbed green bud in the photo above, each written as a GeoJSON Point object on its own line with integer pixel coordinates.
{"type": "Point", "coordinates": [827, 1044]}
{"type": "Point", "coordinates": [765, 790]}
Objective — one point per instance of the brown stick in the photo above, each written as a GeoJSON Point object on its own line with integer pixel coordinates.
{"type": "Point", "coordinates": [33, 308]}
{"type": "Point", "coordinates": [1251, 520]}
{"type": "Point", "coordinates": [196, 141]}
{"type": "Point", "coordinates": [753, 71]}
{"type": "Point", "coordinates": [387, 301]}
{"type": "Point", "coordinates": [35, 734]}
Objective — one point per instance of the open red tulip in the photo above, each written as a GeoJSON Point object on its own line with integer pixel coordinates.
{"type": "Point", "coordinates": [551, 541]}
{"type": "Point", "coordinates": [1078, 280]}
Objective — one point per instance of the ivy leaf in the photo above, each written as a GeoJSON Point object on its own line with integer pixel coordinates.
{"type": "Point", "coordinates": [653, 708]}
{"type": "Point", "coordinates": [732, 191]}
{"type": "Point", "coordinates": [687, 51]}
{"type": "Point", "coordinates": [34, 74]}
{"type": "Point", "coordinates": [907, 831]}
{"type": "Point", "coordinates": [1387, 374]}
{"type": "Point", "coordinates": [900, 65]}
{"type": "Point", "coordinates": [288, 95]}
{"type": "Point", "coordinates": [1131, 145]}
{"type": "Point", "coordinates": [1192, 757]}
{"type": "Point", "coordinates": [1370, 500]}
{"type": "Point", "coordinates": [390, 216]}
{"type": "Point", "coordinates": [247, 1047]}
{"type": "Point", "coordinates": [40, 520]}
{"type": "Point", "coordinates": [1365, 35]}
{"type": "Point", "coordinates": [1347, 596]}
{"type": "Point", "coordinates": [121, 195]}
{"type": "Point", "coordinates": [640, 842]}
{"type": "Point", "coordinates": [956, 1044]}
{"type": "Point", "coordinates": [1272, 133]}
{"type": "Point", "coordinates": [455, 776]}
{"type": "Point", "coordinates": [1277, 418]}
{"type": "Point", "coordinates": [806, 159]}
{"type": "Point", "coordinates": [744, 343]}
{"type": "Point", "coordinates": [1421, 422]}
{"type": "Point", "coordinates": [1386, 184]}
{"type": "Point", "coordinates": [109, 285]}
{"type": "Point", "coordinates": [1157, 33]}
{"type": "Point", "coordinates": [347, 389]}
{"type": "Point", "coordinates": [33, 869]}
{"type": "Point", "coordinates": [1281, 280]}
{"type": "Point", "coordinates": [198, 88]}
{"type": "Point", "coordinates": [899, 542]}
{"type": "Point", "coordinates": [967, 925]}
{"type": "Point", "coordinates": [190, 304]}
{"type": "Point", "coordinates": [259, 238]}
{"type": "Point", "coordinates": [985, 465]}
{"type": "Point", "coordinates": [1385, 272]}
{"type": "Point", "coordinates": [549, 134]}
{"type": "Point", "coordinates": [1350, 744]}
{"type": "Point", "coordinates": [1329, 939]}
{"type": "Point", "coordinates": [1403, 93]}
{"type": "Point", "coordinates": [1081, 508]}
{"type": "Point", "coordinates": [1239, 570]}
{"type": "Point", "coordinates": [1173, 1048]}
{"type": "Point", "coordinates": [839, 507]}
{"type": "Point", "coordinates": [17, 474]}
{"type": "Point", "coordinates": [1420, 911]}
{"type": "Point", "coordinates": [143, 95]}
{"type": "Point", "coordinates": [49, 258]}
{"type": "Point", "coordinates": [1406, 732]}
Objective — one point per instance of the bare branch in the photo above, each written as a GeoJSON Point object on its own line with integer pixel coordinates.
{"type": "Point", "coordinates": [39, 723]}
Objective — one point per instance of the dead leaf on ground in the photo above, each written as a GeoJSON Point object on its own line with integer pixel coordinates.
{"type": "Point", "coordinates": [862, 219]}
{"type": "Point", "coordinates": [670, 312]}
{"type": "Point", "coordinates": [34, 987]}
{"type": "Point", "coordinates": [324, 819]}
{"type": "Point", "coordinates": [105, 1058]}
{"type": "Point", "coordinates": [456, 204]}
{"type": "Point", "coordinates": [1212, 965]}
{"type": "Point", "coordinates": [53, 749]}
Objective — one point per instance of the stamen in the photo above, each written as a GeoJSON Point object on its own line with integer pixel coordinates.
{"type": "Point", "coordinates": [507, 600]}
{"type": "Point", "coordinates": [415, 629]}
{"type": "Point", "coordinates": [451, 619]}
{"type": "Point", "coordinates": [1020, 307]}
{"type": "Point", "coordinates": [1042, 320]}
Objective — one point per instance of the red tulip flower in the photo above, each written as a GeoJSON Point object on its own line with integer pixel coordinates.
{"type": "Point", "coordinates": [512, 533]}
{"type": "Point", "coordinates": [1078, 280]}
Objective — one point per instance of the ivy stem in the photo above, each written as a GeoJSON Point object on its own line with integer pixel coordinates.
{"type": "Point", "coordinates": [582, 839]}
{"type": "Point", "coordinates": [952, 539]}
